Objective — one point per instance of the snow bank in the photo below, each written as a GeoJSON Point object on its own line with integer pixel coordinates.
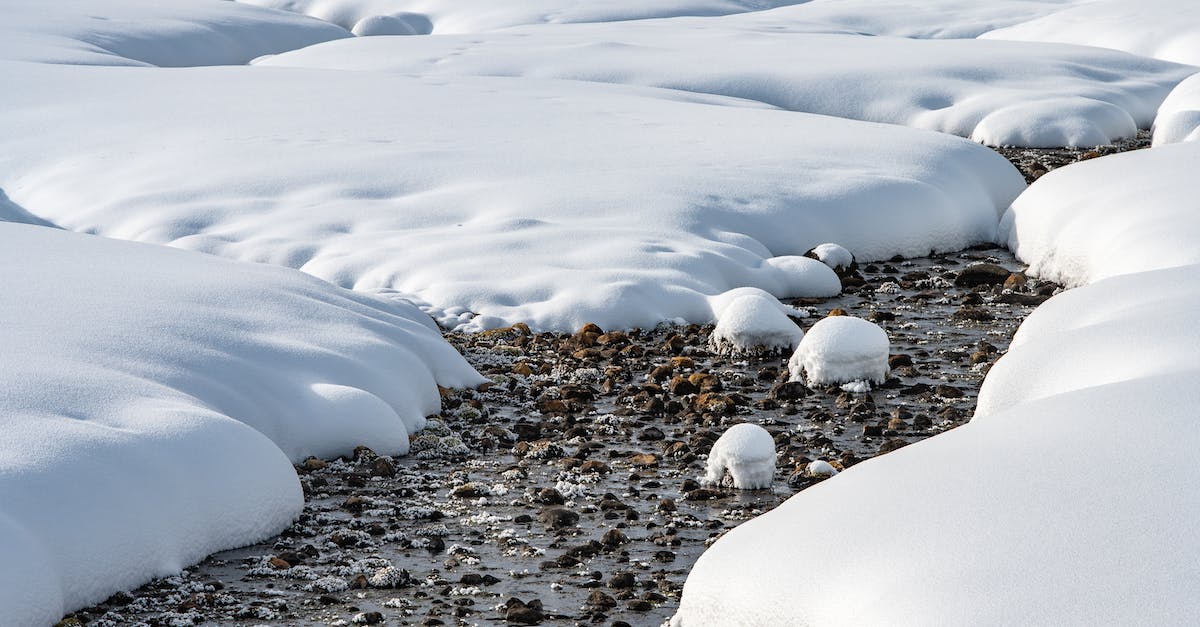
{"type": "Point", "coordinates": [1178, 117]}
{"type": "Point", "coordinates": [470, 16]}
{"type": "Point", "coordinates": [1075, 227]}
{"type": "Point", "coordinates": [1061, 502]}
{"type": "Point", "coordinates": [1162, 29]}
{"type": "Point", "coordinates": [153, 399]}
{"type": "Point", "coordinates": [488, 200]}
{"type": "Point", "coordinates": [745, 454]}
{"type": "Point", "coordinates": [151, 32]}
{"type": "Point", "coordinates": [995, 92]}
{"type": "Point", "coordinates": [841, 349]}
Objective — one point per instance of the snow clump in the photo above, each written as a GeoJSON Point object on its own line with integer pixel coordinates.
{"type": "Point", "coordinates": [746, 453]}
{"type": "Point", "coordinates": [754, 323]}
{"type": "Point", "coordinates": [834, 256]}
{"type": "Point", "coordinates": [820, 468]}
{"type": "Point", "coordinates": [841, 349]}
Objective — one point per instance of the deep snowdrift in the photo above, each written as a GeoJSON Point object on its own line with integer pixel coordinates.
{"type": "Point", "coordinates": [151, 32]}
{"type": "Point", "coordinates": [1178, 117]}
{"type": "Point", "coordinates": [490, 200]}
{"type": "Point", "coordinates": [152, 399]}
{"type": "Point", "coordinates": [1065, 500]}
{"type": "Point", "coordinates": [995, 92]}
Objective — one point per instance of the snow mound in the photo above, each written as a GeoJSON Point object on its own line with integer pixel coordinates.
{"type": "Point", "coordinates": [1178, 118]}
{"type": "Point", "coordinates": [834, 256]}
{"type": "Point", "coordinates": [1162, 29]}
{"type": "Point", "coordinates": [996, 92]}
{"type": "Point", "coordinates": [480, 216]}
{"type": "Point", "coordinates": [154, 400]}
{"type": "Point", "coordinates": [754, 323]}
{"type": "Point", "coordinates": [820, 468]}
{"type": "Point", "coordinates": [936, 19]}
{"type": "Point", "coordinates": [1074, 227]}
{"type": "Point", "coordinates": [150, 32]}
{"type": "Point", "coordinates": [841, 349]}
{"type": "Point", "coordinates": [1102, 373]}
{"type": "Point", "coordinates": [745, 454]}
{"type": "Point", "coordinates": [472, 16]}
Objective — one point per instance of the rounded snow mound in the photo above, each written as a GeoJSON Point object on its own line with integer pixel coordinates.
{"type": "Point", "coordinates": [841, 349]}
{"type": "Point", "coordinates": [1178, 118]}
{"type": "Point", "coordinates": [396, 24]}
{"type": "Point", "coordinates": [834, 256]}
{"type": "Point", "coordinates": [1042, 125]}
{"type": "Point", "coordinates": [754, 322]}
{"type": "Point", "coordinates": [745, 454]}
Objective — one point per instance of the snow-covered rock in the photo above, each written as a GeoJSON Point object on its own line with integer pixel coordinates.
{"type": "Point", "coordinates": [841, 349]}
{"type": "Point", "coordinates": [833, 255]}
{"type": "Point", "coordinates": [754, 323]}
{"type": "Point", "coordinates": [154, 400]}
{"type": "Point", "coordinates": [468, 194]}
{"type": "Point", "coordinates": [150, 32]}
{"type": "Point", "coordinates": [1178, 118]}
{"type": "Point", "coordinates": [745, 455]}
{"type": "Point", "coordinates": [1075, 226]}
{"type": "Point", "coordinates": [995, 92]}
{"type": "Point", "coordinates": [820, 468]}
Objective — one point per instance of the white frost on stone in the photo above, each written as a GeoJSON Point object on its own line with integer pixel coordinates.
{"type": "Point", "coordinates": [841, 349]}
{"type": "Point", "coordinates": [745, 454]}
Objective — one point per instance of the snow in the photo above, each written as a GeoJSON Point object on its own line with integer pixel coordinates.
{"type": "Point", "coordinates": [995, 92]}
{"type": "Point", "coordinates": [820, 468]}
{"type": "Point", "coordinates": [154, 400]}
{"type": "Point", "coordinates": [1067, 531]}
{"type": "Point", "coordinates": [754, 323]}
{"type": "Point", "coordinates": [480, 217]}
{"type": "Point", "coordinates": [1178, 117]}
{"type": "Point", "coordinates": [834, 256]}
{"type": "Point", "coordinates": [1163, 29]}
{"type": "Point", "coordinates": [470, 16]}
{"type": "Point", "coordinates": [841, 349]}
{"type": "Point", "coordinates": [746, 454]}
{"type": "Point", "coordinates": [1074, 227]}
{"type": "Point", "coordinates": [150, 32]}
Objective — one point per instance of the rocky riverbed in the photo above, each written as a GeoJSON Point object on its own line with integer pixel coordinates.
{"type": "Point", "coordinates": [567, 492]}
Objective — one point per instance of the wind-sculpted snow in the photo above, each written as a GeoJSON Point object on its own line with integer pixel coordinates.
{"type": "Point", "coordinates": [151, 32]}
{"type": "Point", "coordinates": [1163, 29]}
{"type": "Point", "coordinates": [488, 200]}
{"type": "Point", "coordinates": [152, 399]}
{"type": "Point", "coordinates": [1060, 502]}
{"type": "Point", "coordinates": [469, 16]}
{"type": "Point", "coordinates": [998, 93]}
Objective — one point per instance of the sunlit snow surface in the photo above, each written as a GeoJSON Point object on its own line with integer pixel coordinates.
{"type": "Point", "coordinates": [623, 171]}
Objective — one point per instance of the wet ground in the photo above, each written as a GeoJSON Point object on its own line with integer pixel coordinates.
{"type": "Point", "coordinates": [567, 493]}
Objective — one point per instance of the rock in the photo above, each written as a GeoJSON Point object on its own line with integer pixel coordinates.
{"type": "Point", "coordinates": [624, 579]}
{"type": "Point", "coordinates": [891, 445]}
{"type": "Point", "coordinates": [278, 563]}
{"type": "Point", "coordinates": [981, 274]}
{"type": "Point", "coordinates": [788, 391]}
{"type": "Point", "coordinates": [600, 601]}
{"type": "Point", "coordinates": [682, 386]}
{"type": "Point", "coordinates": [614, 538]}
{"type": "Point", "coordinates": [595, 466]}
{"type": "Point", "coordinates": [644, 460]}
{"type": "Point", "coordinates": [470, 490]}
{"type": "Point", "coordinates": [521, 613]}
{"type": "Point", "coordinates": [313, 463]}
{"type": "Point", "coordinates": [549, 496]}
{"type": "Point", "coordinates": [557, 517]}
{"type": "Point", "coordinates": [383, 467]}
{"type": "Point", "coordinates": [972, 314]}
{"type": "Point", "coordinates": [367, 618]}
{"type": "Point", "coordinates": [651, 434]}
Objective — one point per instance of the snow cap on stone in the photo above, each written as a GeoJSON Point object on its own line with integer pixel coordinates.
{"type": "Point", "coordinates": [746, 453]}
{"type": "Point", "coordinates": [754, 322]}
{"type": "Point", "coordinates": [833, 255]}
{"type": "Point", "coordinates": [840, 349]}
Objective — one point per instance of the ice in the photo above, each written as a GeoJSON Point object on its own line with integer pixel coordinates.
{"type": "Point", "coordinates": [995, 92]}
{"type": "Point", "coordinates": [1178, 118]}
{"type": "Point", "coordinates": [155, 399]}
{"type": "Point", "coordinates": [745, 454]}
{"type": "Point", "coordinates": [841, 349]}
